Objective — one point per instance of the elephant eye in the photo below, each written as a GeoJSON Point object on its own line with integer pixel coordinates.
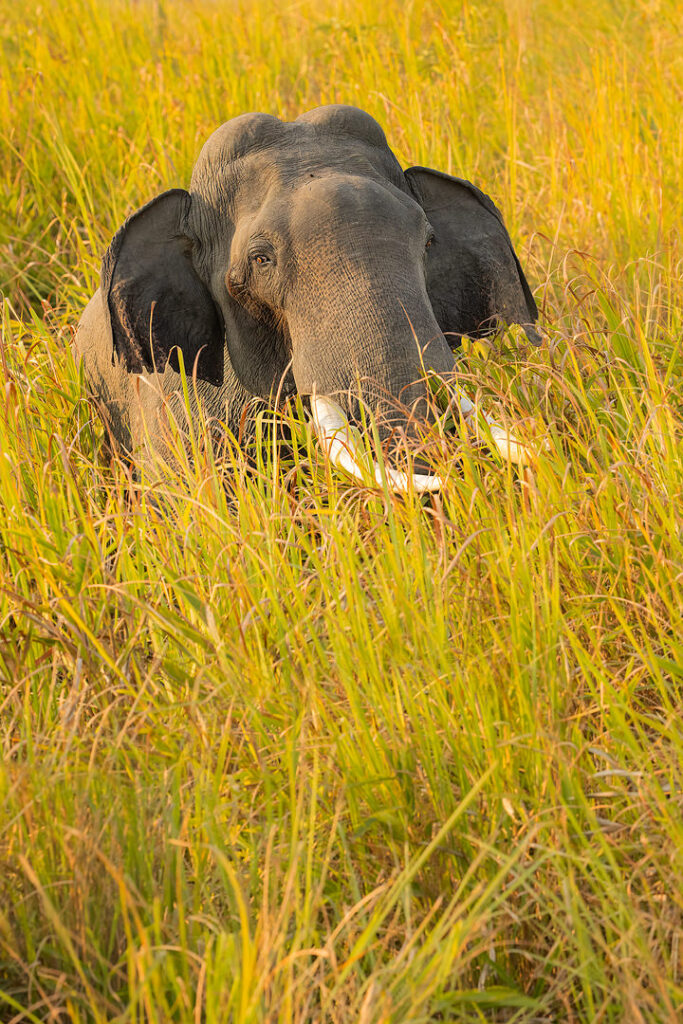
{"type": "Point", "coordinates": [261, 259]}
{"type": "Point", "coordinates": [430, 240]}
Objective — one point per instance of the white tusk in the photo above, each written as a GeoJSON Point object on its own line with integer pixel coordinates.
{"type": "Point", "coordinates": [505, 441]}
{"type": "Point", "coordinates": [336, 436]}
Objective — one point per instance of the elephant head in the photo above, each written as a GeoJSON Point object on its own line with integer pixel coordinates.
{"type": "Point", "coordinates": [303, 256]}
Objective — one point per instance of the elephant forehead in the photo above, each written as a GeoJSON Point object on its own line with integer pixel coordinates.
{"type": "Point", "coordinates": [345, 199]}
{"type": "Point", "coordinates": [280, 171]}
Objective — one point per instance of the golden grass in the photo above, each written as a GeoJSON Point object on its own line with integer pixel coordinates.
{"type": "Point", "coordinates": [290, 750]}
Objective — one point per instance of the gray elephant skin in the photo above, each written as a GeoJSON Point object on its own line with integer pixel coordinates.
{"type": "Point", "coordinates": [303, 258]}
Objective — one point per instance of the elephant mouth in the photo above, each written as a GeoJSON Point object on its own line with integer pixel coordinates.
{"type": "Point", "coordinates": [344, 448]}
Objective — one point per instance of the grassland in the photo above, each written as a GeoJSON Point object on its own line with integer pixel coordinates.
{"type": "Point", "coordinates": [284, 749]}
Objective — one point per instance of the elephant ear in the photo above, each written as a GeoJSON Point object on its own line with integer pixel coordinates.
{"type": "Point", "coordinates": [474, 278]}
{"type": "Point", "coordinates": [156, 302]}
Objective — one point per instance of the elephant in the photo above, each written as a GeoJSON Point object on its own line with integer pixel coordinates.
{"type": "Point", "coordinates": [302, 259]}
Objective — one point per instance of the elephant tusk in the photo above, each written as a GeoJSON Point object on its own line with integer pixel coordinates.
{"type": "Point", "coordinates": [509, 446]}
{"type": "Point", "coordinates": [336, 436]}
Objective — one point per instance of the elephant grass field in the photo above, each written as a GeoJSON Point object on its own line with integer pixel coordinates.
{"type": "Point", "coordinates": [280, 748]}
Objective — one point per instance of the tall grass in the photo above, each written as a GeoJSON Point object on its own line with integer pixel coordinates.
{"type": "Point", "coordinates": [280, 748]}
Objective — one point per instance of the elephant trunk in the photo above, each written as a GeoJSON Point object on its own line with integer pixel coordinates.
{"type": "Point", "coordinates": [372, 350]}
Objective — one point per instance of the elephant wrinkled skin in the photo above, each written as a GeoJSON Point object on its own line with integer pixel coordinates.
{"type": "Point", "coordinates": [301, 259]}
